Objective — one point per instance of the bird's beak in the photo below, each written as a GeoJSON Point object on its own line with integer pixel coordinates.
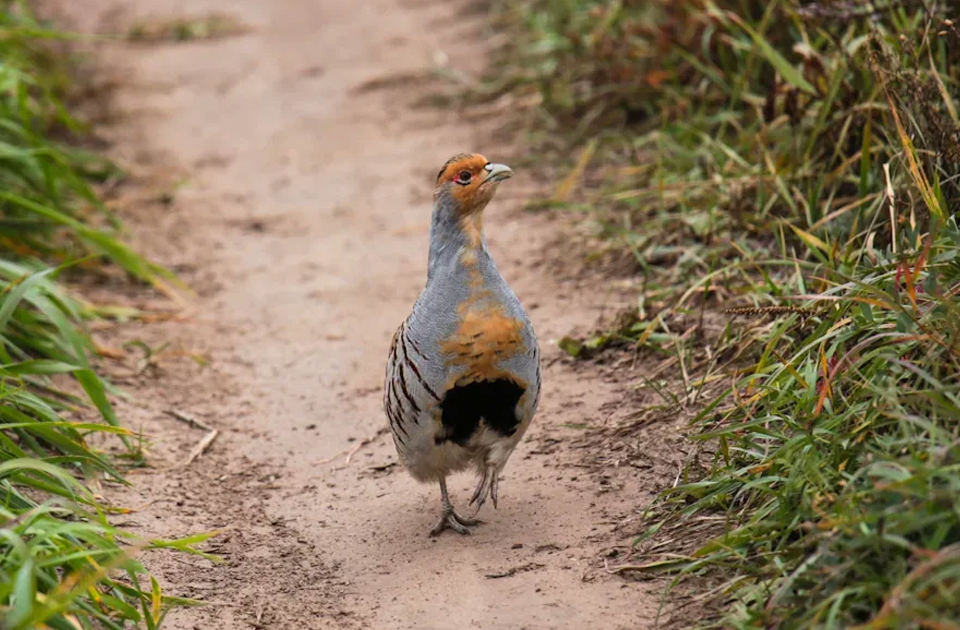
{"type": "Point", "coordinates": [497, 173]}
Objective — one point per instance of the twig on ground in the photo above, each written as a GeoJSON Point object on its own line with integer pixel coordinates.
{"type": "Point", "coordinates": [364, 442]}
{"type": "Point", "coordinates": [353, 451]}
{"type": "Point", "coordinates": [260, 610]}
{"type": "Point", "coordinates": [331, 458]}
{"type": "Point", "coordinates": [201, 446]}
{"type": "Point", "coordinates": [627, 567]}
{"type": "Point", "coordinates": [190, 420]}
{"type": "Point", "coordinates": [530, 566]}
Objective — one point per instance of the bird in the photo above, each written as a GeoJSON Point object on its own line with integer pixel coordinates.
{"type": "Point", "coordinates": [463, 378]}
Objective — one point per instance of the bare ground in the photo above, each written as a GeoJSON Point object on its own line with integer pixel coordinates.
{"type": "Point", "coordinates": [285, 174]}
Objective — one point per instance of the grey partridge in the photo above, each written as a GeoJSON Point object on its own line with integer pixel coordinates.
{"type": "Point", "coordinates": [463, 375]}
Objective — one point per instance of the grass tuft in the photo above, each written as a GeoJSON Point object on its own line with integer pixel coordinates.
{"type": "Point", "coordinates": [62, 564]}
{"type": "Point", "coordinates": [784, 175]}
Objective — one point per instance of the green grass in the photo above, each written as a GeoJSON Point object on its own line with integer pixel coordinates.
{"type": "Point", "coordinates": [62, 564]}
{"type": "Point", "coordinates": [796, 162]}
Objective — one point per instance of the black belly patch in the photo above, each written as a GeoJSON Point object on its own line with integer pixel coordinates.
{"type": "Point", "coordinates": [464, 406]}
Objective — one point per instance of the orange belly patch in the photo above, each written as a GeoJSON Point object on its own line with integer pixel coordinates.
{"type": "Point", "coordinates": [485, 337]}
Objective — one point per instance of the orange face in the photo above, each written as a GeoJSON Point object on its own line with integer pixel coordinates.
{"type": "Point", "coordinates": [471, 181]}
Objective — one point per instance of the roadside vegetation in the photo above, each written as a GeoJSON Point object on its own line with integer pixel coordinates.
{"type": "Point", "coordinates": [62, 564]}
{"type": "Point", "coordinates": [785, 177]}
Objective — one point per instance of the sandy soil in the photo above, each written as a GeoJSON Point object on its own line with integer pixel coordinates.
{"type": "Point", "coordinates": [301, 220]}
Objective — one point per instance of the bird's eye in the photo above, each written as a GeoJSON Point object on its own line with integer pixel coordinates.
{"type": "Point", "coordinates": [464, 177]}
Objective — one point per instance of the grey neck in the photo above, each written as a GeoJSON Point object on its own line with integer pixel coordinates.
{"type": "Point", "coordinates": [447, 239]}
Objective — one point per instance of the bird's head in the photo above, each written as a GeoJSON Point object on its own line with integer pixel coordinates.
{"type": "Point", "coordinates": [466, 183]}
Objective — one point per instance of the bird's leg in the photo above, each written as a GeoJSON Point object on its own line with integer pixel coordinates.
{"type": "Point", "coordinates": [480, 492]}
{"type": "Point", "coordinates": [449, 518]}
{"type": "Point", "coordinates": [486, 487]}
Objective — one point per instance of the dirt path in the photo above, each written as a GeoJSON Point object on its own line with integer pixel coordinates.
{"type": "Point", "coordinates": [303, 223]}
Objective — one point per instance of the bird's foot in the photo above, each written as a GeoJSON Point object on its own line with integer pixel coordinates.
{"type": "Point", "coordinates": [449, 519]}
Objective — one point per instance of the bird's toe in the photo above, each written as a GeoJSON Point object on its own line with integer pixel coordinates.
{"type": "Point", "coordinates": [453, 521]}
{"type": "Point", "coordinates": [465, 521]}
